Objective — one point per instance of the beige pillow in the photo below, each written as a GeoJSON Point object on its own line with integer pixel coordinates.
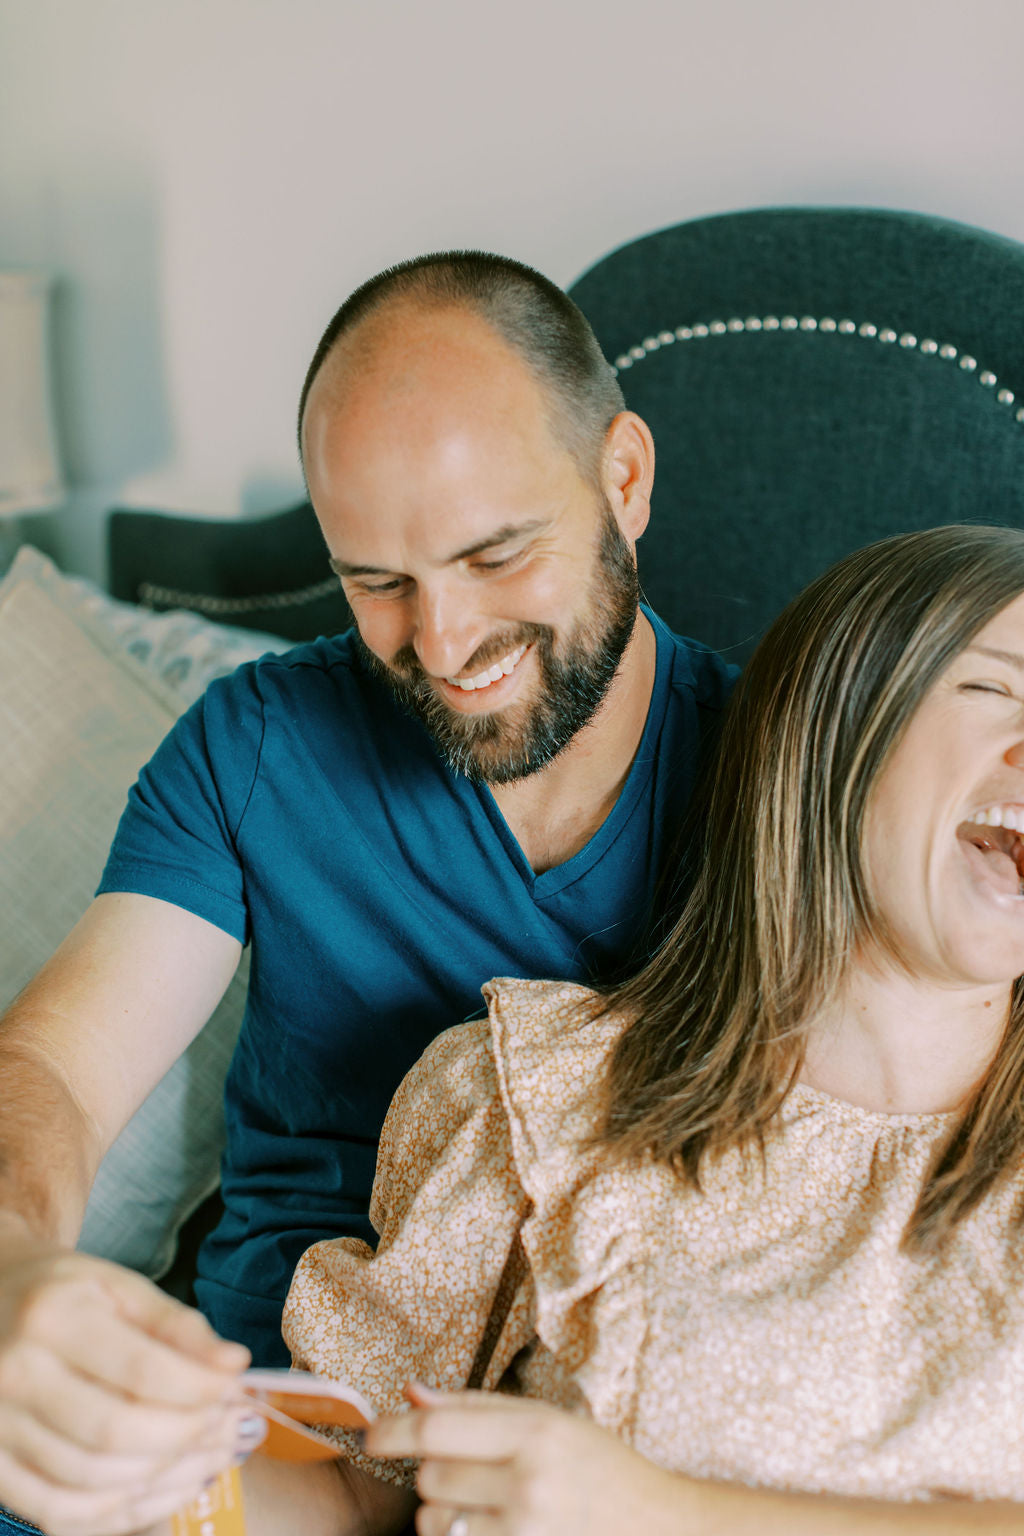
{"type": "Point", "coordinates": [79, 715]}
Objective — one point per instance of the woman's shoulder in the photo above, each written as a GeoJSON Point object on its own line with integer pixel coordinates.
{"type": "Point", "coordinates": [551, 1043]}
{"type": "Point", "coordinates": [529, 1026]}
{"type": "Point", "coordinates": [521, 1086]}
{"type": "Point", "coordinates": [545, 1011]}
{"type": "Point", "coordinates": [454, 1076]}
{"type": "Point", "coordinates": [555, 1030]}
{"type": "Point", "coordinates": [447, 1113]}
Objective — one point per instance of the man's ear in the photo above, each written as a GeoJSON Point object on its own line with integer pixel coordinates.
{"type": "Point", "coordinates": [628, 472]}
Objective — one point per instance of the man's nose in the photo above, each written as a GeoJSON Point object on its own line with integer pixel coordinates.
{"type": "Point", "coordinates": [448, 631]}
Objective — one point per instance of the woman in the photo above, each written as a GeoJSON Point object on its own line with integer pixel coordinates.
{"type": "Point", "coordinates": [759, 1213]}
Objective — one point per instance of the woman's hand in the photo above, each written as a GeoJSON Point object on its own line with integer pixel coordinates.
{"type": "Point", "coordinates": [508, 1466]}
{"type": "Point", "coordinates": [513, 1467]}
{"type": "Point", "coordinates": [116, 1402]}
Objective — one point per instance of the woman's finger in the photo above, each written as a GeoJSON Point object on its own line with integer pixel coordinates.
{"type": "Point", "coordinates": [476, 1484]}
{"type": "Point", "coordinates": [125, 1335]}
{"type": "Point", "coordinates": [437, 1520]}
{"type": "Point", "coordinates": [87, 1417]}
{"type": "Point", "coordinates": [448, 1434]}
{"type": "Point", "coordinates": [38, 1447]}
{"type": "Point", "coordinates": [473, 1426]}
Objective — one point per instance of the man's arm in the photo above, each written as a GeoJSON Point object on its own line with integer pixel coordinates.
{"type": "Point", "coordinates": [130, 987]}
{"type": "Point", "coordinates": [104, 1381]}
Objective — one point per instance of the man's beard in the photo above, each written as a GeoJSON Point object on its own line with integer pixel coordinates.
{"type": "Point", "coordinates": [512, 743]}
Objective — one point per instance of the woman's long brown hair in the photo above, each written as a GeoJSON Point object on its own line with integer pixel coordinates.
{"type": "Point", "coordinates": [782, 904]}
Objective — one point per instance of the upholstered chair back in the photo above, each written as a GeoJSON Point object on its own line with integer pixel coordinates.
{"type": "Point", "coordinates": [815, 378]}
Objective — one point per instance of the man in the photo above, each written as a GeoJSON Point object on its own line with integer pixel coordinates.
{"type": "Point", "coordinates": [485, 780]}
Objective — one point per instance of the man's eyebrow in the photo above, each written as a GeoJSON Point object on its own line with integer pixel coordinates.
{"type": "Point", "coordinates": [1012, 658]}
{"type": "Point", "coordinates": [342, 568]}
{"type": "Point", "coordinates": [499, 536]}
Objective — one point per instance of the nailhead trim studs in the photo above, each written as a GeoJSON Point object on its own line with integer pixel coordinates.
{"type": "Point", "coordinates": [866, 330]}
{"type": "Point", "coordinates": [152, 596]}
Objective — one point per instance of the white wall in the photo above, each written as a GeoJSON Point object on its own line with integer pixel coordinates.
{"type": "Point", "coordinates": [210, 177]}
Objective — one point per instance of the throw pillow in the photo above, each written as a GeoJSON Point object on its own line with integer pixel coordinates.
{"type": "Point", "coordinates": [88, 687]}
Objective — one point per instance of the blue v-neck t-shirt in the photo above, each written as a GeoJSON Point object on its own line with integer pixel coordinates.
{"type": "Point", "coordinates": [300, 809]}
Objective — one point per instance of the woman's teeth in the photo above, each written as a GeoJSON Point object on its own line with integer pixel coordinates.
{"type": "Point", "coordinates": [493, 673]}
{"type": "Point", "coordinates": [996, 834]}
{"type": "Point", "coordinates": [1011, 816]}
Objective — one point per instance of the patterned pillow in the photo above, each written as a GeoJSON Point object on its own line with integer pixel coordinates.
{"type": "Point", "coordinates": [88, 687]}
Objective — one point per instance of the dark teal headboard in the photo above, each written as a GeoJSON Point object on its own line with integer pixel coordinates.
{"type": "Point", "coordinates": [815, 378]}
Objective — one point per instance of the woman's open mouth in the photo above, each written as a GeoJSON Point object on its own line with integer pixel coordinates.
{"type": "Point", "coordinates": [995, 848]}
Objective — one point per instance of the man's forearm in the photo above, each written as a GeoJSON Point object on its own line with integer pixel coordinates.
{"type": "Point", "coordinates": [49, 1151]}
{"type": "Point", "coordinates": [127, 991]}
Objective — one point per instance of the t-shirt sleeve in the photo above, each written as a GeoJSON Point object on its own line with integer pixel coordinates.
{"type": "Point", "coordinates": [443, 1301]}
{"type": "Point", "coordinates": [178, 835]}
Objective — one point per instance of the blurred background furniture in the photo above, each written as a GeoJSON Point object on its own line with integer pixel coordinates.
{"type": "Point", "coordinates": [267, 573]}
{"type": "Point", "coordinates": [31, 479]}
{"type": "Point", "coordinates": [88, 689]}
{"type": "Point", "coordinates": [815, 379]}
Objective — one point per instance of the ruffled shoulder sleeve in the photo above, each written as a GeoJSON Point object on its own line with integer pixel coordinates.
{"type": "Point", "coordinates": [552, 1042]}
{"type": "Point", "coordinates": [591, 1214]}
{"type": "Point", "coordinates": [442, 1301]}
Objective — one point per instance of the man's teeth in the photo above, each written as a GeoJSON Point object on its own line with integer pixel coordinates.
{"type": "Point", "coordinates": [484, 679]}
{"type": "Point", "coordinates": [1011, 816]}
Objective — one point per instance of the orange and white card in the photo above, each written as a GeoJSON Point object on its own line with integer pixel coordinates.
{"type": "Point", "coordinates": [216, 1512]}
{"type": "Point", "coordinates": [291, 1401]}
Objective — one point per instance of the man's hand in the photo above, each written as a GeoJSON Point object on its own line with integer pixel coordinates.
{"type": "Point", "coordinates": [117, 1403]}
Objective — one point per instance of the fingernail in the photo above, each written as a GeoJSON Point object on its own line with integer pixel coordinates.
{"type": "Point", "coordinates": [249, 1433]}
{"type": "Point", "coordinates": [417, 1389]}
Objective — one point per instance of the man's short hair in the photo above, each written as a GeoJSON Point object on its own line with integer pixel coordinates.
{"type": "Point", "coordinates": [529, 312]}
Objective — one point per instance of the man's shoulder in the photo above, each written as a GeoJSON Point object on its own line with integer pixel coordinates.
{"type": "Point", "coordinates": [695, 669]}
{"type": "Point", "coordinates": [325, 702]}
{"type": "Point", "coordinates": [337, 655]}
{"type": "Point", "coordinates": [330, 666]}
{"type": "Point", "coordinates": [315, 692]}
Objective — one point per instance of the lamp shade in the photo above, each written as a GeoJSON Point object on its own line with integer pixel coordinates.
{"type": "Point", "coordinates": [30, 474]}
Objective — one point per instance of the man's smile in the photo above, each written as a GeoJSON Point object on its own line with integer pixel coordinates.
{"type": "Point", "coordinates": [491, 674]}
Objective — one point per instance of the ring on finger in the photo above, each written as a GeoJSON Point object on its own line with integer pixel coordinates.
{"type": "Point", "coordinates": [460, 1524]}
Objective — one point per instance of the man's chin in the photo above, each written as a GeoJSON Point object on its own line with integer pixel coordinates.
{"type": "Point", "coordinates": [486, 747]}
